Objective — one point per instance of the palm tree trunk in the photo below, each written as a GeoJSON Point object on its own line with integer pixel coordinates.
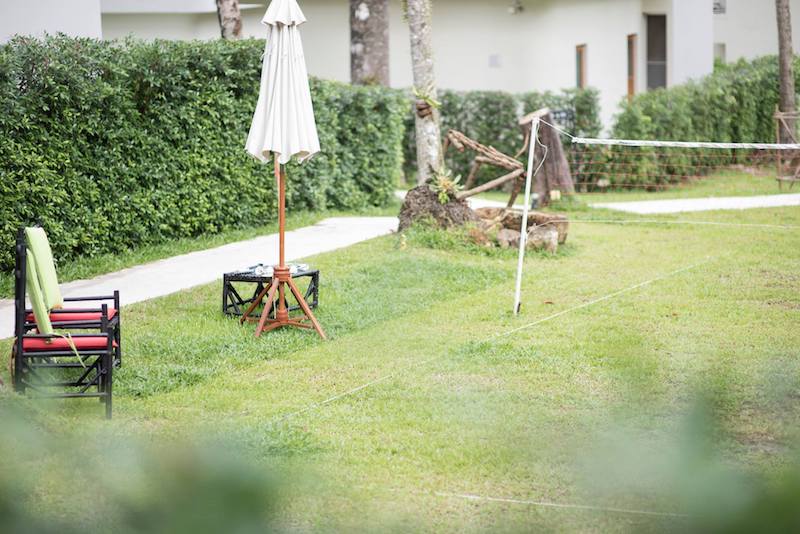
{"type": "Point", "coordinates": [369, 42]}
{"type": "Point", "coordinates": [429, 146]}
{"type": "Point", "coordinates": [230, 19]}
{"type": "Point", "coordinates": [786, 59]}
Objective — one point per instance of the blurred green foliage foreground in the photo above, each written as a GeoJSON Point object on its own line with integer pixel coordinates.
{"type": "Point", "coordinates": [671, 407]}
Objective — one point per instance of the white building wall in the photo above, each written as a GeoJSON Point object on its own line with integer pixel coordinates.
{"type": "Point", "coordinates": [480, 46]}
{"type": "Point", "coordinates": [749, 28]}
{"type": "Point", "coordinates": [477, 43]}
{"type": "Point", "coordinates": [161, 25]}
{"type": "Point", "coordinates": [691, 40]}
{"type": "Point", "coordinates": [79, 18]}
{"type": "Point", "coordinates": [557, 27]}
{"type": "Point", "coordinates": [326, 35]}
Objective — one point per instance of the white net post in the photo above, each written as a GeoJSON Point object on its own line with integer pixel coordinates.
{"type": "Point", "coordinates": [523, 232]}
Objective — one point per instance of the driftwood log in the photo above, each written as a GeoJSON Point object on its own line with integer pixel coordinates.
{"type": "Point", "coordinates": [486, 155]}
{"type": "Point", "coordinates": [554, 174]}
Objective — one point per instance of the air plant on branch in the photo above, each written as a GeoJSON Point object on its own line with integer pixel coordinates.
{"type": "Point", "coordinates": [445, 186]}
{"type": "Point", "coordinates": [426, 103]}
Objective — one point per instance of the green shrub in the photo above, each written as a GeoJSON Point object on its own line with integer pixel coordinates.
{"type": "Point", "coordinates": [491, 118]}
{"type": "Point", "coordinates": [734, 104]}
{"type": "Point", "coordinates": [111, 145]}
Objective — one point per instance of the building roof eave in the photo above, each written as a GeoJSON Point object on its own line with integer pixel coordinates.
{"type": "Point", "coordinates": [141, 7]}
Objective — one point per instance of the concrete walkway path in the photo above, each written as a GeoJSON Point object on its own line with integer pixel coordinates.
{"type": "Point", "coordinates": [171, 275]}
{"type": "Point", "coordinates": [684, 205]}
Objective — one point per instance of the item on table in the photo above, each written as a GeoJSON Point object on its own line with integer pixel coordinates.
{"type": "Point", "coordinates": [268, 270]}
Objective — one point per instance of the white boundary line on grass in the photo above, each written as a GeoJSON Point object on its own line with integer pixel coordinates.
{"type": "Point", "coordinates": [599, 300]}
{"type": "Point", "coordinates": [546, 504]}
{"type": "Point", "coordinates": [384, 378]}
{"type": "Point", "coordinates": [352, 391]}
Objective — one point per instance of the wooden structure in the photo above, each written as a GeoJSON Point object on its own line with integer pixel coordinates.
{"type": "Point", "coordinates": [281, 281]}
{"type": "Point", "coordinates": [554, 173]}
{"type": "Point", "coordinates": [788, 162]}
{"type": "Point", "coordinates": [486, 155]}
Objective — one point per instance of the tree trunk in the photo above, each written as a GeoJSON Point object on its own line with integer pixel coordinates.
{"type": "Point", "coordinates": [429, 144]}
{"type": "Point", "coordinates": [785, 58]}
{"type": "Point", "coordinates": [554, 173]}
{"type": "Point", "coordinates": [369, 42]}
{"type": "Point", "coordinates": [230, 19]}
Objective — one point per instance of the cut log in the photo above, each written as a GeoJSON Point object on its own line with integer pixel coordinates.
{"type": "Point", "coordinates": [491, 213]}
{"type": "Point", "coordinates": [508, 238]}
{"type": "Point", "coordinates": [512, 220]}
{"type": "Point", "coordinates": [543, 238]}
{"type": "Point", "coordinates": [491, 185]}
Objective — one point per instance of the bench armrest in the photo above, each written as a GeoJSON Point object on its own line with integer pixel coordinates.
{"type": "Point", "coordinates": [86, 299]}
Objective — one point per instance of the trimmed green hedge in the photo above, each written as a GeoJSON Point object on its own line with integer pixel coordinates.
{"type": "Point", "coordinates": [111, 145]}
{"type": "Point", "coordinates": [491, 118]}
{"type": "Point", "coordinates": [734, 104]}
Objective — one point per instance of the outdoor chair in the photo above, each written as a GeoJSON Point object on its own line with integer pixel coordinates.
{"type": "Point", "coordinates": [57, 365]}
{"type": "Point", "coordinates": [63, 316]}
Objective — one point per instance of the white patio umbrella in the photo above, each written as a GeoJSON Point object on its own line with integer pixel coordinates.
{"type": "Point", "coordinates": [283, 127]}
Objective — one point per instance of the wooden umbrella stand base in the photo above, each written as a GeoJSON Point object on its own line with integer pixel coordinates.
{"type": "Point", "coordinates": [281, 281]}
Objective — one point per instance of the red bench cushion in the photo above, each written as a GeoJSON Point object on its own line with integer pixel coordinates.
{"type": "Point", "coordinates": [60, 316]}
{"type": "Point", "coordinates": [59, 343]}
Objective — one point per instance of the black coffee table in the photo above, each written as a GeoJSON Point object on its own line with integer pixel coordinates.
{"type": "Point", "coordinates": [233, 304]}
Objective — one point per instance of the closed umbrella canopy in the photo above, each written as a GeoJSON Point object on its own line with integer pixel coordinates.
{"type": "Point", "coordinates": [283, 125]}
{"type": "Point", "coordinates": [283, 122]}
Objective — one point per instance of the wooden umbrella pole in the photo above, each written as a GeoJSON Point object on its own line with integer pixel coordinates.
{"type": "Point", "coordinates": [280, 178]}
{"type": "Point", "coordinates": [281, 272]}
{"type": "Point", "coordinates": [281, 278]}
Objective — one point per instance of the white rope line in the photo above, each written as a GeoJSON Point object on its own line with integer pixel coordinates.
{"type": "Point", "coordinates": [389, 376]}
{"type": "Point", "coordinates": [352, 391]}
{"type": "Point", "coordinates": [683, 144]}
{"type": "Point", "coordinates": [599, 300]}
{"type": "Point", "coordinates": [558, 129]}
{"type": "Point", "coordinates": [546, 504]}
{"type": "Point", "coordinates": [701, 223]}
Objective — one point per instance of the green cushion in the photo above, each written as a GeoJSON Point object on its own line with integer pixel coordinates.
{"type": "Point", "coordinates": [45, 267]}
{"type": "Point", "coordinates": [40, 311]}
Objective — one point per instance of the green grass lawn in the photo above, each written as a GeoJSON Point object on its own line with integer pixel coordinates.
{"type": "Point", "coordinates": [417, 401]}
{"type": "Point", "coordinates": [724, 184]}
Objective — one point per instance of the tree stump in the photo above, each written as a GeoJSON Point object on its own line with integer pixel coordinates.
{"type": "Point", "coordinates": [554, 173]}
{"type": "Point", "coordinates": [423, 203]}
